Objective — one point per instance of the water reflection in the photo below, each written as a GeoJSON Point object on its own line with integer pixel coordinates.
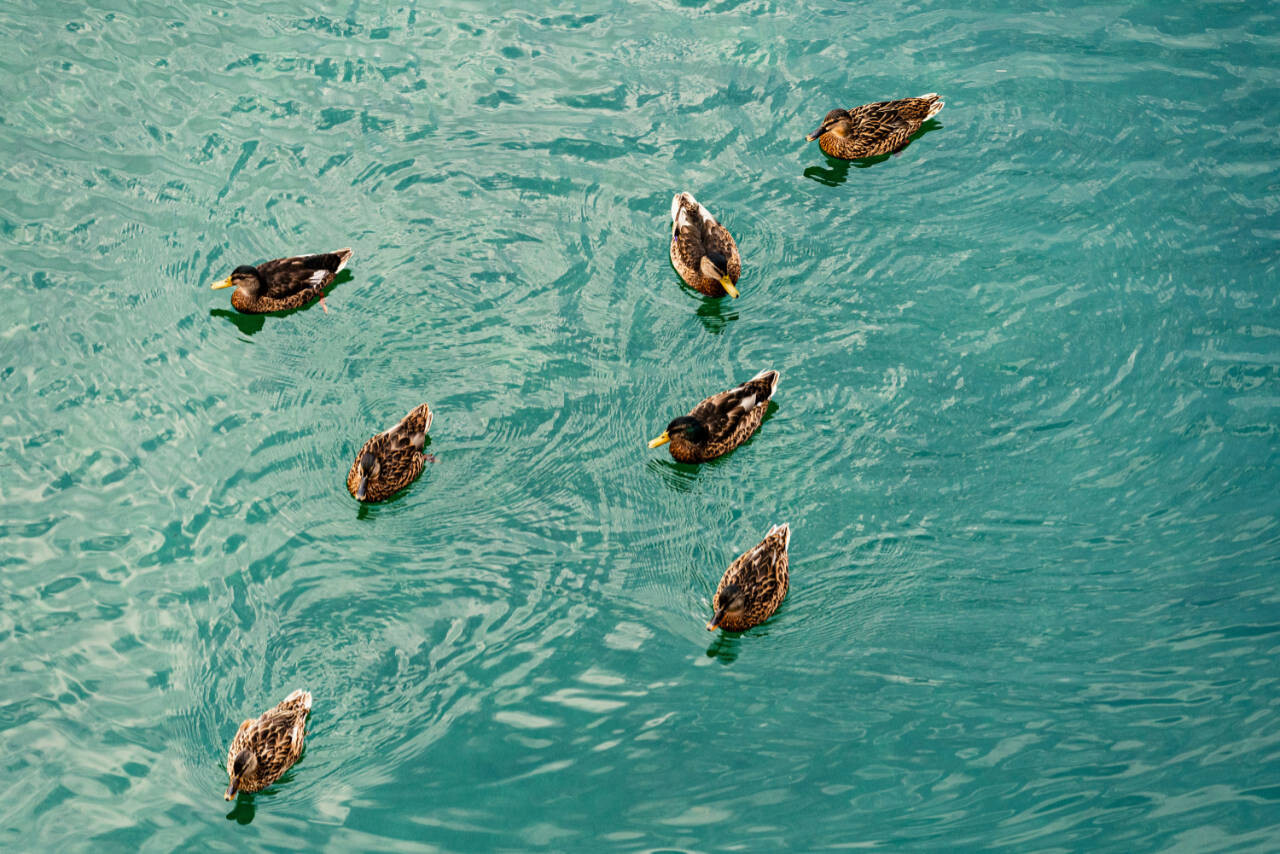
{"type": "Point", "coordinates": [679, 476]}
{"type": "Point", "coordinates": [724, 648]}
{"type": "Point", "coordinates": [246, 807]}
{"type": "Point", "coordinates": [716, 313]}
{"type": "Point", "coordinates": [836, 175]}
{"type": "Point", "coordinates": [244, 810]}
{"type": "Point", "coordinates": [248, 324]}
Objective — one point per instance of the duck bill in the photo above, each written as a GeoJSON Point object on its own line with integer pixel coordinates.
{"type": "Point", "coordinates": [817, 133]}
{"type": "Point", "coordinates": [231, 791]}
{"type": "Point", "coordinates": [225, 283]}
{"type": "Point", "coordinates": [727, 284]}
{"type": "Point", "coordinates": [661, 440]}
{"type": "Point", "coordinates": [715, 621]}
{"type": "Point", "coordinates": [360, 488]}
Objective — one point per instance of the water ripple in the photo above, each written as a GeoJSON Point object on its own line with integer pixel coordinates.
{"type": "Point", "coordinates": [1024, 436]}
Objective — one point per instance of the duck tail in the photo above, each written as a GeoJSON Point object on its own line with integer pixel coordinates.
{"type": "Point", "coordinates": [419, 422]}
{"type": "Point", "coordinates": [770, 376]}
{"type": "Point", "coordinates": [935, 105]}
{"type": "Point", "coordinates": [785, 530]}
{"type": "Point", "coordinates": [344, 255]}
{"type": "Point", "coordinates": [300, 698]}
{"type": "Point", "coordinates": [686, 201]}
{"type": "Point", "coordinates": [678, 203]}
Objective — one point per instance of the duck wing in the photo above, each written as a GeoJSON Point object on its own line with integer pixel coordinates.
{"type": "Point", "coordinates": [716, 239]}
{"type": "Point", "coordinates": [739, 409]}
{"type": "Point", "coordinates": [278, 735]}
{"type": "Point", "coordinates": [762, 574]}
{"type": "Point", "coordinates": [887, 125]}
{"type": "Point", "coordinates": [879, 123]}
{"type": "Point", "coordinates": [688, 229]}
{"type": "Point", "coordinates": [411, 432]}
{"type": "Point", "coordinates": [288, 276]}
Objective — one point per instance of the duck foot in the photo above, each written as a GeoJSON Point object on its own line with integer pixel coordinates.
{"type": "Point", "coordinates": [431, 458]}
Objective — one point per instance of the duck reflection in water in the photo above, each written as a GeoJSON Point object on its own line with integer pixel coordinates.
{"type": "Point", "coordinates": [716, 314]}
{"type": "Point", "coordinates": [724, 648]}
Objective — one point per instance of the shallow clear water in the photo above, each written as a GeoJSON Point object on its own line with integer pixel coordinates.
{"type": "Point", "coordinates": [1026, 434]}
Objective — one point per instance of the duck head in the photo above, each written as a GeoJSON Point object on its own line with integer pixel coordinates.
{"type": "Point", "coordinates": [731, 602]}
{"type": "Point", "coordinates": [245, 764]}
{"type": "Point", "coordinates": [715, 266]}
{"type": "Point", "coordinates": [369, 469]}
{"type": "Point", "coordinates": [686, 426]}
{"type": "Point", "coordinates": [837, 122]}
{"type": "Point", "coordinates": [243, 278]}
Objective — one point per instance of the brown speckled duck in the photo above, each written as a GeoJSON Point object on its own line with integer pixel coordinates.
{"type": "Point", "coordinates": [702, 250]}
{"type": "Point", "coordinates": [874, 129]}
{"type": "Point", "coordinates": [283, 283]}
{"type": "Point", "coordinates": [392, 460]}
{"type": "Point", "coordinates": [720, 423]}
{"type": "Point", "coordinates": [263, 749]}
{"type": "Point", "coordinates": [754, 585]}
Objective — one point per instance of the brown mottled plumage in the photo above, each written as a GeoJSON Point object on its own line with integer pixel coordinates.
{"type": "Point", "coordinates": [754, 585]}
{"type": "Point", "coordinates": [392, 460]}
{"type": "Point", "coordinates": [283, 283]}
{"type": "Point", "coordinates": [263, 749]}
{"type": "Point", "coordinates": [702, 250]}
{"type": "Point", "coordinates": [720, 423]}
{"type": "Point", "coordinates": [874, 129]}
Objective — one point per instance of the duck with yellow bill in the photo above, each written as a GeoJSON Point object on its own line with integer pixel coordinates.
{"type": "Point", "coordinates": [283, 283]}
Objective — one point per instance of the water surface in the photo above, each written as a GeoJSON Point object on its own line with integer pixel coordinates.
{"type": "Point", "coordinates": [1025, 434]}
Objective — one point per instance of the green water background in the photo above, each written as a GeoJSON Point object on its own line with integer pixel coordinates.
{"type": "Point", "coordinates": [1025, 434]}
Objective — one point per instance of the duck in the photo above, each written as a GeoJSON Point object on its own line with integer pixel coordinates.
{"type": "Point", "coordinates": [720, 423]}
{"type": "Point", "coordinates": [283, 283]}
{"type": "Point", "coordinates": [754, 585]}
{"type": "Point", "coordinates": [391, 460]}
{"type": "Point", "coordinates": [264, 748]}
{"type": "Point", "coordinates": [874, 129]}
{"type": "Point", "coordinates": [702, 250]}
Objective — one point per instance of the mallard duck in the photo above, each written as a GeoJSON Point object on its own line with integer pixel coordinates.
{"type": "Point", "coordinates": [392, 460]}
{"type": "Point", "coordinates": [263, 749]}
{"type": "Point", "coordinates": [874, 129]}
{"type": "Point", "coordinates": [702, 250]}
{"type": "Point", "coordinates": [283, 283]}
{"type": "Point", "coordinates": [754, 585]}
{"type": "Point", "coordinates": [720, 423]}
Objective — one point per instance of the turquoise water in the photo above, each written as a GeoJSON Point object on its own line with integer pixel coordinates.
{"type": "Point", "coordinates": [1026, 434]}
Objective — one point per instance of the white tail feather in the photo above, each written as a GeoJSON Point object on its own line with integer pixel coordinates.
{"type": "Point", "coordinates": [776, 377]}
{"type": "Point", "coordinates": [936, 107]}
{"type": "Point", "coordinates": [692, 202]}
{"type": "Point", "coordinates": [305, 695]}
{"type": "Point", "coordinates": [786, 529]}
